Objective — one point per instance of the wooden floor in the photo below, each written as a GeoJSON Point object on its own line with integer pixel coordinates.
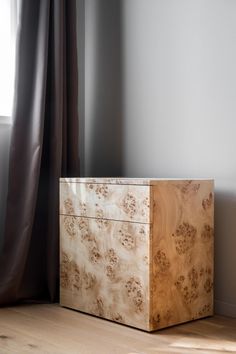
{"type": "Point", "coordinates": [52, 329]}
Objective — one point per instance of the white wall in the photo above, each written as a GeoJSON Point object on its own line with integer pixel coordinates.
{"type": "Point", "coordinates": [176, 101]}
{"type": "Point", "coordinates": [4, 157]}
{"type": "Point", "coordinates": [103, 91]}
{"type": "Point", "coordinates": [80, 14]}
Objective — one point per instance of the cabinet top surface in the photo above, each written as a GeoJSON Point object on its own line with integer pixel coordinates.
{"type": "Point", "coordinates": [125, 180]}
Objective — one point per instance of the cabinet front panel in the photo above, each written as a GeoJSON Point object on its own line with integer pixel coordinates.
{"type": "Point", "coordinates": [104, 268]}
{"type": "Point", "coordinates": [106, 201]}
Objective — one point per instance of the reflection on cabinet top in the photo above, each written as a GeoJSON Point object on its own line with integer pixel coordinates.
{"type": "Point", "coordinates": [126, 180]}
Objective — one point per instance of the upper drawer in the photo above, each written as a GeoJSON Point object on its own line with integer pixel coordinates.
{"type": "Point", "coordinates": [108, 201]}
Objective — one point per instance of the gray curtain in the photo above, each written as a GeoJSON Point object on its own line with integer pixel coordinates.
{"type": "Point", "coordinates": [44, 146]}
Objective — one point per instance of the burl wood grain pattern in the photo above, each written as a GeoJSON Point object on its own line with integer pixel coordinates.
{"type": "Point", "coordinates": [105, 268]}
{"type": "Point", "coordinates": [181, 252]}
{"type": "Point", "coordinates": [140, 253]}
{"type": "Point", "coordinates": [103, 200]}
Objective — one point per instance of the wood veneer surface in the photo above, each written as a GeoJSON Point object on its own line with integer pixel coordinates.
{"type": "Point", "coordinates": [181, 253]}
{"type": "Point", "coordinates": [141, 255]}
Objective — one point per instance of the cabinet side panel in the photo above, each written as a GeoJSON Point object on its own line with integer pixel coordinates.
{"type": "Point", "coordinates": [182, 252]}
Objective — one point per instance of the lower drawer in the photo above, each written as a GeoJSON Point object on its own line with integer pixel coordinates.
{"type": "Point", "coordinates": [104, 268]}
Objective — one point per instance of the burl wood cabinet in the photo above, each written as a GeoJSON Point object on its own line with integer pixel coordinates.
{"type": "Point", "coordinates": [137, 251]}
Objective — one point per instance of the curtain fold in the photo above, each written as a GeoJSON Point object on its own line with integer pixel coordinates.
{"type": "Point", "coordinates": [44, 146]}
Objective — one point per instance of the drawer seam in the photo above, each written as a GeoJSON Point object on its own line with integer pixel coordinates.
{"type": "Point", "coordinates": [94, 217]}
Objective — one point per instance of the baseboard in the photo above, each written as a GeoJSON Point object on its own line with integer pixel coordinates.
{"type": "Point", "coordinates": [224, 308]}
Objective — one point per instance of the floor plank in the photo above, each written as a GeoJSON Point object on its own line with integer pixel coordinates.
{"type": "Point", "coordinates": [53, 329]}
